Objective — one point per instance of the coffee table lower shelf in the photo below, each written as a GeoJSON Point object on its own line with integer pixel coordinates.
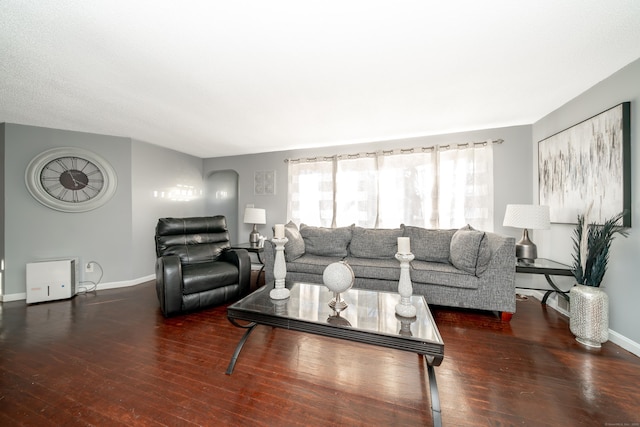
{"type": "Point", "coordinates": [258, 309]}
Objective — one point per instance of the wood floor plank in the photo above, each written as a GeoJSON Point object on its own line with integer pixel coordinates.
{"type": "Point", "coordinates": [110, 358]}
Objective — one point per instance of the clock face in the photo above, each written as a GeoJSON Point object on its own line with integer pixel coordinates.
{"type": "Point", "coordinates": [70, 179]}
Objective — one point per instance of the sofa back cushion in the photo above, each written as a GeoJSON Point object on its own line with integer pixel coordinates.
{"type": "Point", "coordinates": [470, 251]}
{"type": "Point", "coordinates": [429, 245]}
{"type": "Point", "coordinates": [326, 241]}
{"type": "Point", "coordinates": [375, 243]}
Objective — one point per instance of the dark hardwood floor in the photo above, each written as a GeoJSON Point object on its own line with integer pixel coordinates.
{"type": "Point", "coordinates": [109, 358]}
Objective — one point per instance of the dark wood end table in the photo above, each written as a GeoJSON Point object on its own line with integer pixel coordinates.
{"type": "Point", "coordinates": [548, 268]}
{"type": "Point", "coordinates": [258, 250]}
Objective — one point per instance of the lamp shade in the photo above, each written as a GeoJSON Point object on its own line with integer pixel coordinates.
{"type": "Point", "coordinates": [255, 216]}
{"type": "Point", "coordinates": [533, 217]}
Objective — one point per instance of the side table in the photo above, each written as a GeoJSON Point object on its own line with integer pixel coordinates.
{"type": "Point", "coordinates": [548, 268]}
{"type": "Point", "coordinates": [258, 250]}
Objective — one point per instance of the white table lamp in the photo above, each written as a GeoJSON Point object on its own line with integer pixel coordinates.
{"type": "Point", "coordinates": [254, 216]}
{"type": "Point", "coordinates": [534, 217]}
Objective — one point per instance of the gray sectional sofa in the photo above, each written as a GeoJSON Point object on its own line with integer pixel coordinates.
{"type": "Point", "coordinates": [458, 268]}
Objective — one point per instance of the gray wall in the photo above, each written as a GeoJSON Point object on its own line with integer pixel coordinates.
{"type": "Point", "coordinates": [118, 235]}
{"type": "Point", "coordinates": [620, 282]}
{"type": "Point", "coordinates": [512, 171]}
{"type": "Point", "coordinates": [156, 170]}
{"type": "Point", "coordinates": [34, 232]}
{"type": "Point", "coordinates": [2, 221]}
{"type": "Point", "coordinates": [222, 199]}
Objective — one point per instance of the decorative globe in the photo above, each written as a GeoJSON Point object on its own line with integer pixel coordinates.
{"type": "Point", "coordinates": [338, 277]}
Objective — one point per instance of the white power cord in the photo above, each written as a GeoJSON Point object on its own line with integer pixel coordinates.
{"type": "Point", "coordinates": [84, 289]}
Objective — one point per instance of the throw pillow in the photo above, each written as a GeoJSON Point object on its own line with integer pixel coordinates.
{"type": "Point", "coordinates": [484, 253]}
{"type": "Point", "coordinates": [470, 251]}
{"type": "Point", "coordinates": [294, 248]}
{"type": "Point", "coordinates": [326, 241]}
{"type": "Point", "coordinates": [375, 243]}
{"type": "Point", "coordinates": [428, 244]}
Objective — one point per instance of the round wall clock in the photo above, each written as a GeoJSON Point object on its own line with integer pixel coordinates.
{"type": "Point", "coordinates": [70, 179]}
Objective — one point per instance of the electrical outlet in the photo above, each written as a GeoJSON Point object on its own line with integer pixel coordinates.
{"type": "Point", "coordinates": [88, 268]}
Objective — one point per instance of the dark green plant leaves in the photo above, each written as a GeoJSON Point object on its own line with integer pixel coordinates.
{"type": "Point", "coordinates": [598, 246]}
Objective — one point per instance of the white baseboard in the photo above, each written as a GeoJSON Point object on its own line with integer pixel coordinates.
{"type": "Point", "coordinates": [624, 342]}
{"type": "Point", "coordinates": [124, 283]}
{"type": "Point", "coordinates": [616, 338]}
{"type": "Point", "coordinates": [101, 286]}
{"type": "Point", "coordinates": [13, 297]}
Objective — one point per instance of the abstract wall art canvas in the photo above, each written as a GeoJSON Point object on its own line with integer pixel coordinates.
{"type": "Point", "coordinates": [589, 162]}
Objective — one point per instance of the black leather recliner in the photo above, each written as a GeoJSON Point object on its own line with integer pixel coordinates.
{"type": "Point", "coordinates": [196, 267]}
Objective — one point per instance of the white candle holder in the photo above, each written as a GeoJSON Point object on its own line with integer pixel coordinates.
{"type": "Point", "coordinates": [405, 325]}
{"type": "Point", "coordinates": [405, 289]}
{"type": "Point", "coordinates": [279, 270]}
{"type": "Point", "coordinates": [280, 307]}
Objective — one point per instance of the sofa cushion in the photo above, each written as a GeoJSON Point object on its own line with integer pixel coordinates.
{"type": "Point", "coordinates": [429, 245]}
{"type": "Point", "coordinates": [368, 268]}
{"type": "Point", "coordinates": [470, 251]}
{"type": "Point", "coordinates": [294, 248]}
{"type": "Point", "coordinates": [374, 243]}
{"type": "Point", "coordinates": [311, 264]}
{"type": "Point", "coordinates": [438, 273]}
{"type": "Point", "coordinates": [326, 241]}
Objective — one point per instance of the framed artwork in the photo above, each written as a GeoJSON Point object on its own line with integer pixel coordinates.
{"type": "Point", "coordinates": [264, 183]}
{"type": "Point", "coordinates": [589, 162]}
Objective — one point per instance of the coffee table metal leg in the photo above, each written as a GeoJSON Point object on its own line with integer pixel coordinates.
{"type": "Point", "coordinates": [234, 358]}
{"type": "Point", "coordinates": [433, 392]}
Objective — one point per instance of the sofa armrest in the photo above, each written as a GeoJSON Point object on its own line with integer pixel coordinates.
{"type": "Point", "coordinates": [497, 283]}
{"type": "Point", "coordinates": [169, 284]}
{"type": "Point", "coordinates": [503, 251]}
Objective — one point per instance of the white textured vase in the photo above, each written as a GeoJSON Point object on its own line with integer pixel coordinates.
{"type": "Point", "coordinates": [589, 321]}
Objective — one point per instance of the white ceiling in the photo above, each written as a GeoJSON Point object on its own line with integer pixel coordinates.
{"type": "Point", "coordinates": [216, 78]}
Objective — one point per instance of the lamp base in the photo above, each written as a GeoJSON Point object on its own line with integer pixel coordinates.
{"type": "Point", "coordinates": [526, 250]}
{"type": "Point", "coordinates": [254, 236]}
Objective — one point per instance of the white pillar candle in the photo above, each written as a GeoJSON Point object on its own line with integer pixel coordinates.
{"type": "Point", "coordinates": [279, 231]}
{"type": "Point", "coordinates": [404, 245]}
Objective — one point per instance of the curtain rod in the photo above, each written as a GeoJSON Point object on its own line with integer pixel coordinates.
{"type": "Point", "coordinates": [394, 151]}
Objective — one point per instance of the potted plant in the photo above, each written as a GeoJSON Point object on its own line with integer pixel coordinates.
{"type": "Point", "coordinates": [589, 308]}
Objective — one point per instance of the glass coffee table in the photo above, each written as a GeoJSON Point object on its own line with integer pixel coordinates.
{"type": "Point", "coordinates": [369, 318]}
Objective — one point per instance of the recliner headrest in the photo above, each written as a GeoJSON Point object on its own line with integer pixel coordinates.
{"type": "Point", "coordinates": [193, 225]}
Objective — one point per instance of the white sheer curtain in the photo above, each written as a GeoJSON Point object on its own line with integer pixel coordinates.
{"type": "Point", "coordinates": [466, 187]}
{"type": "Point", "coordinates": [433, 188]}
{"type": "Point", "coordinates": [311, 193]}
{"type": "Point", "coordinates": [357, 192]}
{"type": "Point", "coordinates": [408, 190]}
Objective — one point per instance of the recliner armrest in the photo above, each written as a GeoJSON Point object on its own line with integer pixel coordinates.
{"type": "Point", "coordinates": [169, 284]}
{"type": "Point", "coordinates": [240, 258]}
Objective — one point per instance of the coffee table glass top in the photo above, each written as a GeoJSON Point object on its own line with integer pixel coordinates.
{"type": "Point", "coordinates": [368, 313]}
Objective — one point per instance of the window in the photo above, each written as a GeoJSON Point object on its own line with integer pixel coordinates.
{"type": "Point", "coordinates": [437, 187]}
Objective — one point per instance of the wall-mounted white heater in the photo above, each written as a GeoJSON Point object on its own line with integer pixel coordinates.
{"type": "Point", "coordinates": [51, 280]}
